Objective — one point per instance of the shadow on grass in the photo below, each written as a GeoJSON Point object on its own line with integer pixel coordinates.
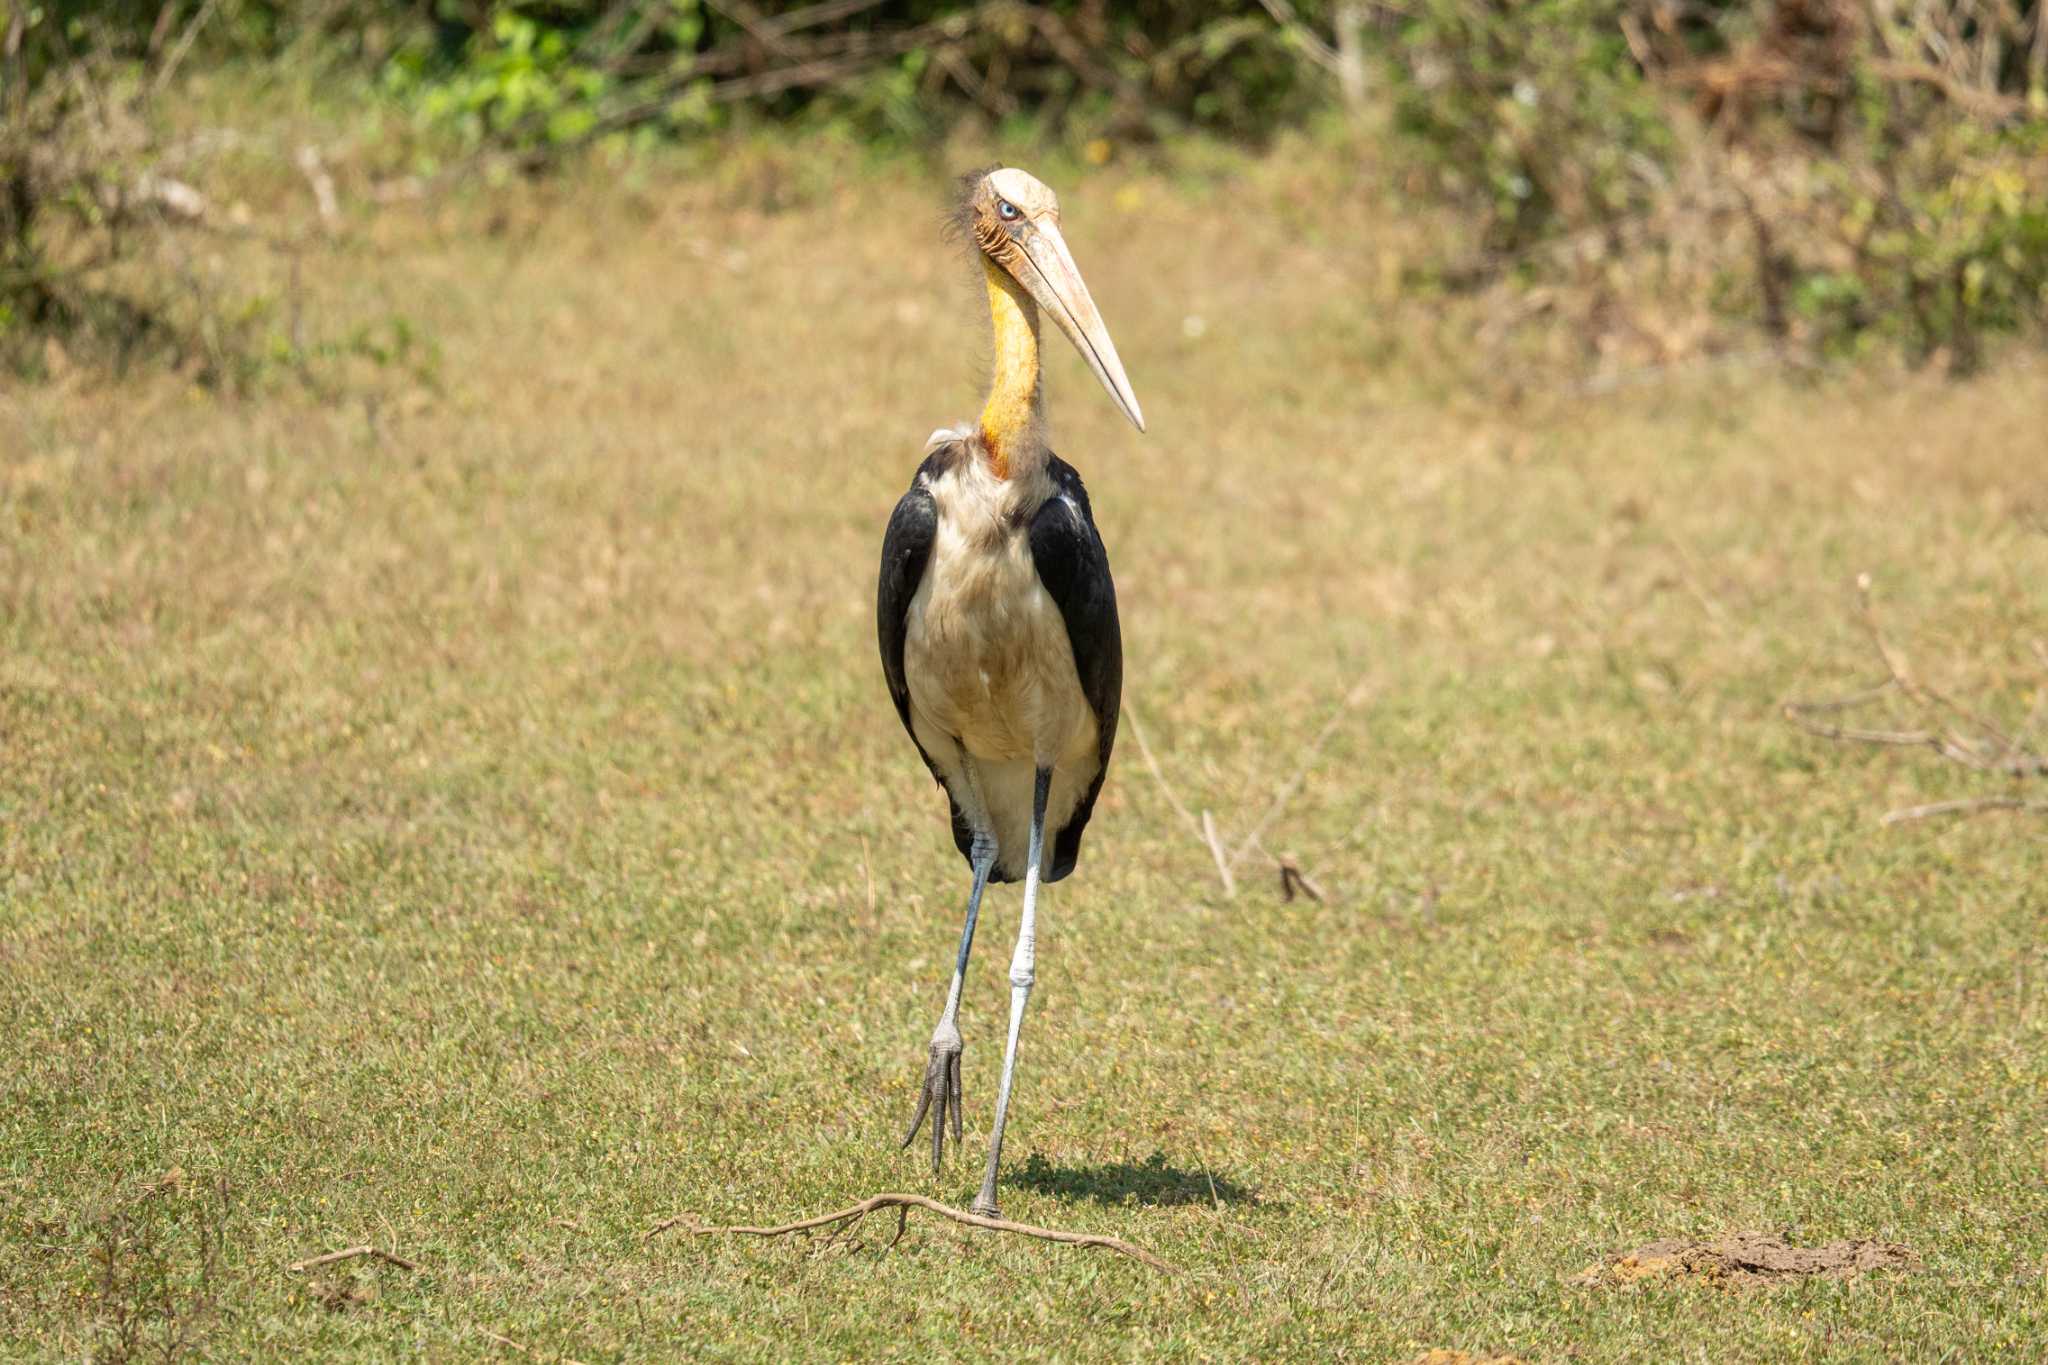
{"type": "Point", "coordinates": [1150, 1183]}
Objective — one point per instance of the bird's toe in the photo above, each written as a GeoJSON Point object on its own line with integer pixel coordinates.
{"type": "Point", "coordinates": [938, 1096]}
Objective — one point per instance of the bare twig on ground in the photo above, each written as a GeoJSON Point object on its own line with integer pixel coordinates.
{"type": "Point", "coordinates": [844, 1220]}
{"type": "Point", "coordinates": [1693, 574]}
{"type": "Point", "coordinates": [1292, 878]}
{"type": "Point", "coordinates": [1205, 830]}
{"type": "Point", "coordinates": [1960, 735]}
{"type": "Point", "coordinates": [1969, 805]}
{"type": "Point", "coordinates": [321, 183]}
{"type": "Point", "coordinates": [351, 1253]}
{"type": "Point", "coordinates": [1172, 797]}
{"type": "Point", "coordinates": [1207, 833]}
{"type": "Point", "coordinates": [1301, 772]}
{"type": "Point", "coordinates": [1215, 843]}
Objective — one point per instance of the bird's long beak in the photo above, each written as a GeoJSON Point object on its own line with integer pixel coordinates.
{"type": "Point", "coordinates": [1055, 282]}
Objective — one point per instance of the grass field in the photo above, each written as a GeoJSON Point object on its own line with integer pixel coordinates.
{"type": "Point", "coordinates": [463, 815]}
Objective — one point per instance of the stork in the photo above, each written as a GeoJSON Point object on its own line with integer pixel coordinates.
{"type": "Point", "coordinates": [997, 618]}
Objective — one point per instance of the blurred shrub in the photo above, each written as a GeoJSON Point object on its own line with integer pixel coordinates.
{"type": "Point", "coordinates": [539, 72]}
{"type": "Point", "coordinates": [111, 245]}
{"type": "Point", "coordinates": [82, 181]}
{"type": "Point", "coordinates": [1651, 178]}
{"type": "Point", "coordinates": [1535, 114]}
{"type": "Point", "coordinates": [1834, 174]}
{"type": "Point", "coordinates": [1931, 233]}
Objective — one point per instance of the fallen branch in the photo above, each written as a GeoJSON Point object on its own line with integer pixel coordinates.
{"type": "Point", "coordinates": [1301, 772]}
{"type": "Point", "coordinates": [1172, 797]}
{"type": "Point", "coordinates": [1215, 843]}
{"type": "Point", "coordinates": [1960, 735]}
{"type": "Point", "coordinates": [504, 1341]}
{"type": "Point", "coordinates": [1969, 805]}
{"type": "Point", "coordinates": [351, 1253]}
{"type": "Point", "coordinates": [844, 1220]}
{"type": "Point", "coordinates": [321, 183]}
{"type": "Point", "coordinates": [1205, 830]}
{"type": "Point", "coordinates": [1292, 878]}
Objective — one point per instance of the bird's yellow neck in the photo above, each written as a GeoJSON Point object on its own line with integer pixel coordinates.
{"type": "Point", "coordinates": [1013, 422]}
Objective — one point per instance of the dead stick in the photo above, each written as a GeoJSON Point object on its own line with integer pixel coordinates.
{"type": "Point", "coordinates": [1694, 576]}
{"type": "Point", "coordinates": [819, 14]}
{"type": "Point", "coordinates": [1991, 749]}
{"type": "Point", "coordinates": [1293, 784]}
{"type": "Point", "coordinates": [1210, 837]}
{"type": "Point", "coordinates": [2012, 763]}
{"type": "Point", "coordinates": [1967, 806]}
{"type": "Point", "coordinates": [1292, 877]}
{"type": "Point", "coordinates": [184, 44]}
{"type": "Point", "coordinates": [1319, 52]}
{"type": "Point", "coordinates": [1848, 703]}
{"type": "Point", "coordinates": [322, 184]}
{"type": "Point", "coordinates": [351, 1253]}
{"type": "Point", "coordinates": [910, 1201]}
{"type": "Point", "coordinates": [1797, 713]}
{"type": "Point", "coordinates": [1204, 832]}
{"type": "Point", "coordinates": [1152, 764]}
{"type": "Point", "coordinates": [1896, 664]}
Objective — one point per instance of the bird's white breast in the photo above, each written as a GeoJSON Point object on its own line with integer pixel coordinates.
{"type": "Point", "coordinates": [986, 653]}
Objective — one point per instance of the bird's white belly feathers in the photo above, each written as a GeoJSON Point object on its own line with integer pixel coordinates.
{"type": "Point", "coordinates": [990, 668]}
{"type": "Point", "coordinates": [986, 653]}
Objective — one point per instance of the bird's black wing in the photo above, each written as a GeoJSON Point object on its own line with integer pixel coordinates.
{"type": "Point", "coordinates": [1073, 566]}
{"type": "Point", "coordinates": [906, 549]}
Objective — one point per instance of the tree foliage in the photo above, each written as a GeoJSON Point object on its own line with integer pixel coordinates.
{"type": "Point", "coordinates": [568, 69]}
{"type": "Point", "coordinates": [1834, 173]}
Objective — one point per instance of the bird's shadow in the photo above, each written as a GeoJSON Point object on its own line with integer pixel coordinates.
{"type": "Point", "coordinates": [1149, 1183]}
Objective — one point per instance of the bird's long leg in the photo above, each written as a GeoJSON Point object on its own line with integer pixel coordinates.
{"type": "Point", "coordinates": [940, 1094]}
{"type": "Point", "coordinates": [1023, 972]}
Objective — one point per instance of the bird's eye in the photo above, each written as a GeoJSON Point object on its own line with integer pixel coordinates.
{"type": "Point", "coordinates": [1007, 209]}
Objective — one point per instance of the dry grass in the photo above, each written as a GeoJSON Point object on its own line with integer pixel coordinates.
{"type": "Point", "coordinates": [468, 821]}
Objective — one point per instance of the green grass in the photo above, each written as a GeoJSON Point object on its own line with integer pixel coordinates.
{"type": "Point", "coordinates": [472, 822]}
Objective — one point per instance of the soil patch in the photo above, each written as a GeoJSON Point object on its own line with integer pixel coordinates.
{"type": "Point", "coordinates": [1745, 1259]}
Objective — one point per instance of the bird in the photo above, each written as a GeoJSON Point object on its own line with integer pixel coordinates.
{"type": "Point", "coordinates": [997, 620]}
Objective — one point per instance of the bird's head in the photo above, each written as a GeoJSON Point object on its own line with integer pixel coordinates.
{"type": "Point", "coordinates": [1014, 221]}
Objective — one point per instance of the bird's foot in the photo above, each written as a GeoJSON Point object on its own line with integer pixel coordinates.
{"type": "Point", "coordinates": [941, 1093]}
{"type": "Point", "coordinates": [984, 1207]}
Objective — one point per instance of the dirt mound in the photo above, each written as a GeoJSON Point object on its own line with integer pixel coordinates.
{"type": "Point", "coordinates": [1441, 1356]}
{"type": "Point", "coordinates": [1744, 1259]}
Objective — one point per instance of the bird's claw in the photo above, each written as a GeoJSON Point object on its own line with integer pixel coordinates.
{"type": "Point", "coordinates": [940, 1096]}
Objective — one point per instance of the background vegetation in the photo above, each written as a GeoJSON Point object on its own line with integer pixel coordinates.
{"type": "Point", "coordinates": [1632, 181]}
